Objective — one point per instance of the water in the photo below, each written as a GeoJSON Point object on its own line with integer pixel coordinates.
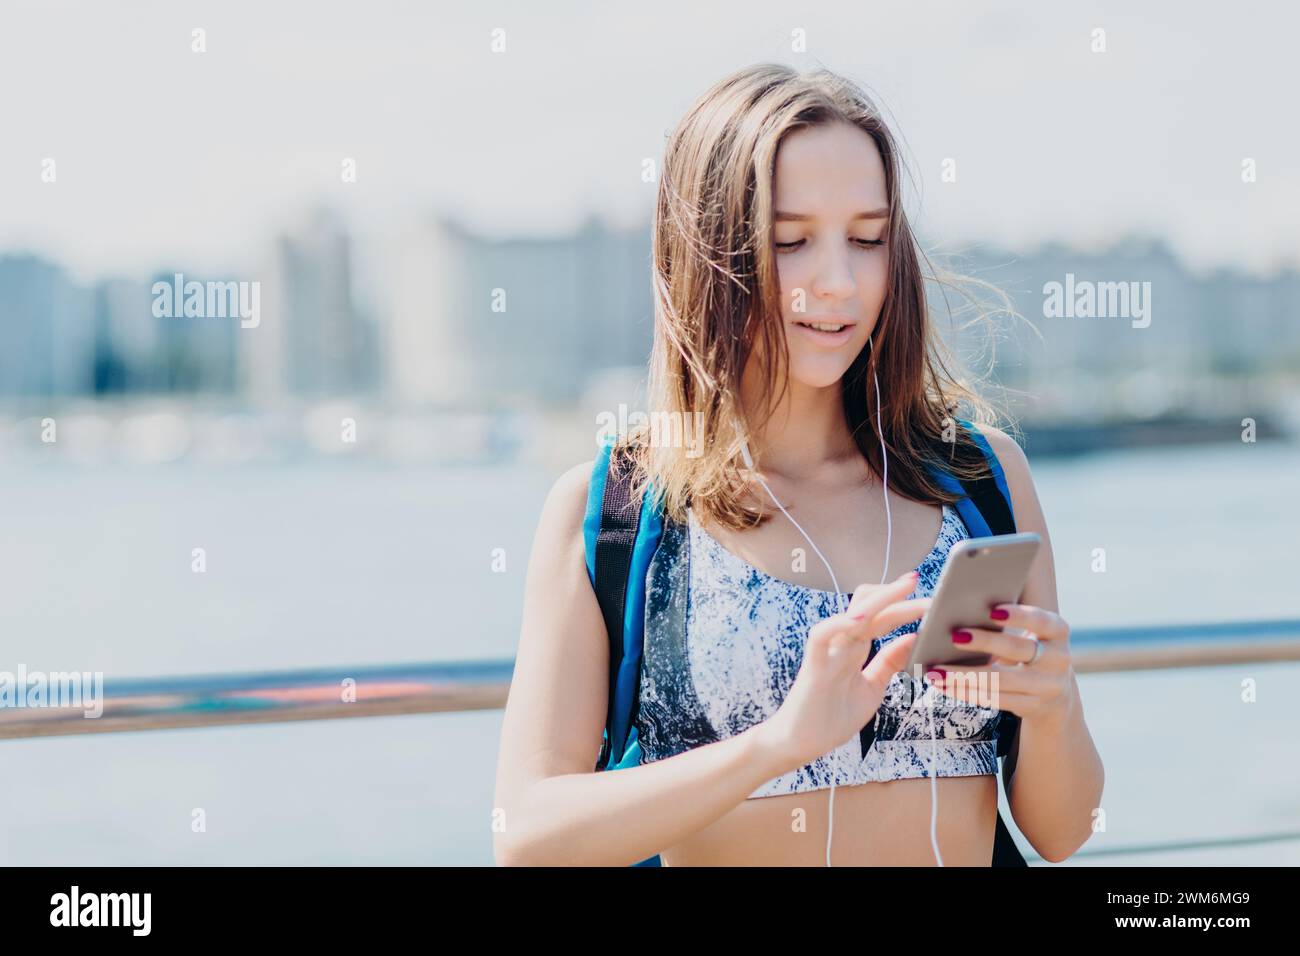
{"type": "Point", "coordinates": [336, 565]}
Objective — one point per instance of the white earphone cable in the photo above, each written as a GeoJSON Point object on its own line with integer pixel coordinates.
{"type": "Point", "coordinates": [889, 538]}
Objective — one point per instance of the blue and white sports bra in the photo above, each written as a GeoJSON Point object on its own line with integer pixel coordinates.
{"type": "Point", "coordinates": [724, 641]}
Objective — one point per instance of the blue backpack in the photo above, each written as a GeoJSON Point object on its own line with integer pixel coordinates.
{"type": "Point", "coordinates": [622, 540]}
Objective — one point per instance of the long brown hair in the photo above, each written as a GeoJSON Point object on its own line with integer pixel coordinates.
{"type": "Point", "coordinates": [716, 294]}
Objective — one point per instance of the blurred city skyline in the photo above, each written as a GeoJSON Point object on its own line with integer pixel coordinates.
{"type": "Point", "coordinates": [475, 320]}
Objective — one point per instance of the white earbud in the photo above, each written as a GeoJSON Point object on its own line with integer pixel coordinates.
{"type": "Point", "coordinates": [744, 451]}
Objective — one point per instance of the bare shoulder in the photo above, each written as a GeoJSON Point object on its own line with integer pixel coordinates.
{"type": "Point", "coordinates": [1014, 465]}
{"type": "Point", "coordinates": [565, 508]}
{"type": "Point", "coordinates": [1010, 455]}
{"type": "Point", "coordinates": [569, 493]}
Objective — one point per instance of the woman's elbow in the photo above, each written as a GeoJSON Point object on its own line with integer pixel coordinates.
{"type": "Point", "coordinates": [510, 843]}
{"type": "Point", "coordinates": [518, 844]}
{"type": "Point", "coordinates": [513, 847]}
{"type": "Point", "coordinates": [507, 852]}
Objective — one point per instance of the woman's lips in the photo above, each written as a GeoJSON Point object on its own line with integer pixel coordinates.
{"type": "Point", "coordinates": [827, 339]}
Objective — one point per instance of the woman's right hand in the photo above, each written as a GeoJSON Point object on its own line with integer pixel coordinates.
{"type": "Point", "coordinates": [833, 697]}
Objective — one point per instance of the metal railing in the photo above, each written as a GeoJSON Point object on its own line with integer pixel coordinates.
{"type": "Point", "coordinates": [213, 700]}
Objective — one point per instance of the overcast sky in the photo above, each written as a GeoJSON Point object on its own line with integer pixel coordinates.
{"type": "Point", "coordinates": [167, 156]}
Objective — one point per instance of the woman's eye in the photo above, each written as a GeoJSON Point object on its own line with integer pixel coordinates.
{"type": "Point", "coordinates": [866, 243]}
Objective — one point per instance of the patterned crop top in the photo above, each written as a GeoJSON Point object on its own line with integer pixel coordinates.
{"type": "Point", "coordinates": [724, 641]}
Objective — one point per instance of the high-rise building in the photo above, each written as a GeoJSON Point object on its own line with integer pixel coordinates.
{"type": "Point", "coordinates": [47, 339]}
{"type": "Point", "coordinates": [311, 340]}
{"type": "Point", "coordinates": [485, 320]}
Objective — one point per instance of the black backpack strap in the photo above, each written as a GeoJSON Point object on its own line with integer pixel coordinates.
{"type": "Point", "coordinates": [986, 495]}
{"type": "Point", "coordinates": [619, 522]}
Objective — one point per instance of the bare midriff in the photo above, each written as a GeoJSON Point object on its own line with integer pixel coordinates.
{"type": "Point", "coordinates": [876, 824]}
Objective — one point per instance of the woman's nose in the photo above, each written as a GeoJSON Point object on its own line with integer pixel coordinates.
{"type": "Point", "coordinates": [834, 278]}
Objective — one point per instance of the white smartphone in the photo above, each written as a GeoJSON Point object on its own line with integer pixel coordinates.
{"type": "Point", "coordinates": [978, 573]}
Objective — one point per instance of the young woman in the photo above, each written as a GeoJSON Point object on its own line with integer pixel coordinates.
{"type": "Point", "coordinates": [791, 317]}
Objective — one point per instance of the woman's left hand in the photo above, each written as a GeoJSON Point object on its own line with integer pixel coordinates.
{"type": "Point", "coordinates": [1032, 671]}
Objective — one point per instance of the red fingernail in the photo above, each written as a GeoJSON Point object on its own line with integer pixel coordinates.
{"type": "Point", "coordinates": [961, 637]}
{"type": "Point", "coordinates": [857, 617]}
{"type": "Point", "coordinates": [937, 674]}
{"type": "Point", "coordinates": [998, 614]}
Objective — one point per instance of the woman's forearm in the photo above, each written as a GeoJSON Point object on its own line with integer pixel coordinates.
{"type": "Point", "coordinates": [1057, 783]}
{"type": "Point", "coordinates": [620, 817]}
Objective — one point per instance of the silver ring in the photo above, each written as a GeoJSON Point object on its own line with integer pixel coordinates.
{"type": "Point", "coordinates": [1038, 649]}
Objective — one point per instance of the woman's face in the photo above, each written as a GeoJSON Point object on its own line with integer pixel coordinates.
{"type": "Point", "coordinates": [830, 230]}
